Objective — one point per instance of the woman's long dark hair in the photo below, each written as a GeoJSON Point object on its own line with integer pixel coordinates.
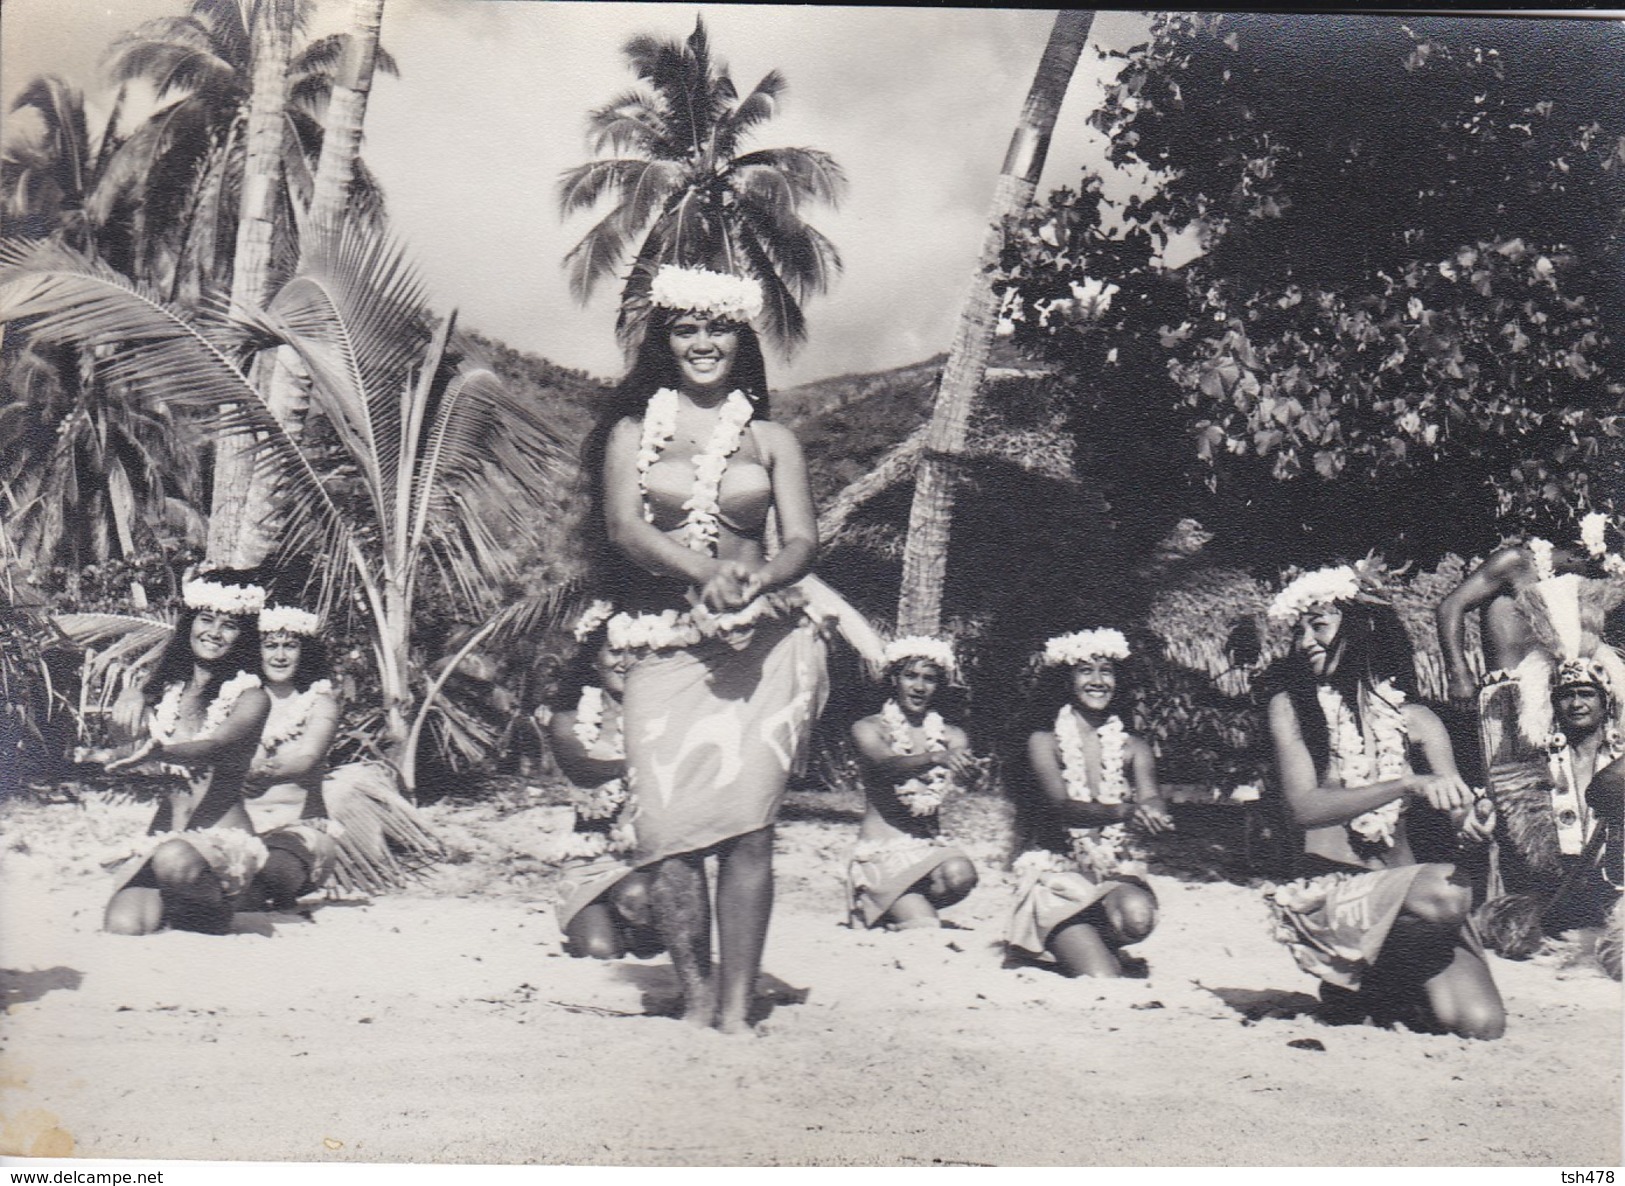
{"type": "Point", "coordinates": [1373, 647]}
{"type": "Point", "coordinates": [176, 664]}
{"type": "Point", "coordinates": [653, 366]}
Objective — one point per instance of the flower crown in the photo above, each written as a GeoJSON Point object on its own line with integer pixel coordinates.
{"type": "Point", "coordinates": [240, 600]}
{"type": "Point", "coordinates": [1594, 538]}
{"type": "Point", "coordinates": [1066, 649]}
{"type": "Point", "coordinates": [937, 651]}
{"type": "Point", "coordinates": [711, 294]}
{"type": "Point", "coordinates": [594, 616]}
{"type": "Point", "coordinates": [1323, 586]}
{"type": "Point", "coordinates": [289, 619]}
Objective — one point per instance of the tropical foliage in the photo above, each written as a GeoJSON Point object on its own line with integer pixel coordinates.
{"type": "Point", "coordinates": [186, 158]}
{"type": "Point", "coordinates": [1436, 353]}
{"type": "Point", "coordinates": [423, 468]}
{"type": "Point", "coordinates": [684, 192]}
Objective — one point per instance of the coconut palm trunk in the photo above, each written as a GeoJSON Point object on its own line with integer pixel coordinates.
{"type": "Point", "coordinates": [287, 392]}
{"type": "Point", "coordinates": [251, 268]}
{"type": "Point", "coordinates": [925, 557]}
{"type": "Point", "coordinates": [346, 113]}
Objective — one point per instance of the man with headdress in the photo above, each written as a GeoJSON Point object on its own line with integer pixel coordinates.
{"type": "Point", "coordinates": [1551, 712]}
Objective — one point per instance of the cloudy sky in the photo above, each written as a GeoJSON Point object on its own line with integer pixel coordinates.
{"type": "Point", "coordinates": [917, 104]}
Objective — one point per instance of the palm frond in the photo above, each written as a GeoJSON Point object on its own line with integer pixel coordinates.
{"type": "Point", "coordinates": [808, 173]}
{"type": "Point", "coordinates": [595, 256]}
{"type": "Point", "coordinates": [802, 257]}
{"type": "Point", "coordinates": [786, 324]}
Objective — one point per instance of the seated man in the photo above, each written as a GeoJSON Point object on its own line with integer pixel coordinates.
{"type": "Point", "coordinates": [1550, 840]}
{"type": "Point", "coordinates": [902, 872]}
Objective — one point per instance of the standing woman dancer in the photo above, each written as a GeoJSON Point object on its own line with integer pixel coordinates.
{"type": "Point", "coordinates": [1080, 897]}
{"type": "Point", "coordinates": [204, 712]}
{"type": "Point", "coordinates": [730, 672]}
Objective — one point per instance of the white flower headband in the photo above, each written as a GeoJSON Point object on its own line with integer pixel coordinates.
{"type": "Point", "coordinates": [1323, 586]}
{"type": "Point", "coordinates": [710, 294]}
{"type": "Point", "coordinates": [594, 616]}
{"type": "Point", "coordinates": [239, 600]}
{"type": "Point", "coordinates": [937, 651]}
{"type": "Point", "coordinates": [1594, 538]}
{"type": "Point", "coordinates": [289, 619]}
{"type": "Point", "coordinates": [1067, 649]}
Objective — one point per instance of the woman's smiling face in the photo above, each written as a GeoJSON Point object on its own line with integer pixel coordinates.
{"type": "Point", "coordinates": [214, 634]}
{"type": "Point", "coordinates": [1094, 683]}
{"type": "Point", "coordinates": [705, 349]}
{"type": "Point", "coordinates": [279, 656]}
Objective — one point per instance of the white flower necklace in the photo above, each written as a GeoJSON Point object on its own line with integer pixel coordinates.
{"type": "Point", "coordinates": [1113, 740]}
{"type": "Point", "coordinates": [605, 799]}
{"type": "Point", "coordinates": [292, 723]}
{"type": "Point", "coordinates": [1355, 765]}
{"type": "Point", "coordinates": [1569, 811]}
{"type": "Point", "coordinates": [1102, 851]}
{"type": "Point", "coordinates": [699, 529]}
{"type": "Point", "coordinates": [1540, 550]}
{"type": "Point", "coordinates": [923, 794]}
{"type": "Point", "coordinates": [166, 716]}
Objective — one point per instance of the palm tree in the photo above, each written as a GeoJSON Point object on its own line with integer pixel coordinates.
{"type": "Point", "coordinates": [83, 475]}
{"type": "Point", "coordinates": [925, 556]}
{"type": "Point", "coordinates": [190, 152]}
{"type": "Point", "coordinates": [685, 193]}
{"type": "Point", "coordinates": [429, 467]}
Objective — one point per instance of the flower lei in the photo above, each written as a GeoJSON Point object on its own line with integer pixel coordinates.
{"type": "Point", "coordinates": [923, 794]}
{"type": "Point", "coordinates": [670, 629]}
{"type": "Point", "coordinates": [1541, 551]}
{"type": "Point", "coordinates": [605, 799]}
{"type": "Point", "coordinates": [1113, 740]}
{"type": "Point", "coordinates": [293, 724]}
{"type": "Point", "coordinates": [1104, 850]}
{"type": "Point", "coordinates": [699, 530]}
{"type": "Point", "coordinates": [166, 717]}
{"type": "Point", "coordinates": [1594, 538]}
{"type": "Point", "coordinates": [1568, 804]}
{"type": "Point", "coordinates": [1356, 766]}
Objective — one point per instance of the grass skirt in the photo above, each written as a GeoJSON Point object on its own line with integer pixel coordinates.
{"type": "Point", "coordinates": [581, 883]}
{"type": "Point", "coordinates": [881, 871]}
{"type": "Point", "coordinates": [1336, 922]}
{"type": "Point", "coordinates": [232, 854]}
{"type": "Point", "coordinates": [713, 733]}
{"type": "Point", "coordinates": [1052, 889]}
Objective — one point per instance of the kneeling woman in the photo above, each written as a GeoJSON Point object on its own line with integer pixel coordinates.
{"type": "Point", "coordinates": [1080, 897]}
{"type": "Point", "coordinates": [350, 823]}
{"type": "Point", "coordinates": [206, 710]}
{"type": "Point", "coordinates": [902, 871]}
{"type": "Point", "coordinates": [1388, 938]}
{"type": "Point", "coordinates": [604, 909]}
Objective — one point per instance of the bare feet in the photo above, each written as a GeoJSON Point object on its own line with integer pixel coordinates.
{"type": "Point", "coordinates": [700, 1008]}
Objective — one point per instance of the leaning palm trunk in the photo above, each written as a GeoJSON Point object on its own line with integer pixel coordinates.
{"type": "Point", "coordinates": [925, 557]}
{"type": "Point", "coordinates": [251, 267]}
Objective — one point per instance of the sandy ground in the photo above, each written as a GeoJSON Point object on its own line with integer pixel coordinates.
{"type": "Point", "coordinates": [445, 1024]}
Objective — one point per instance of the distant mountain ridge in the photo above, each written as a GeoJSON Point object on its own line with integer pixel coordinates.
{"type": "Point", "coordinates": [845, 423]}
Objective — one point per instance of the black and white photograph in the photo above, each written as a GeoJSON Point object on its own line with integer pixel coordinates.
{"type": "Point", "coordinates": [682, 584]}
